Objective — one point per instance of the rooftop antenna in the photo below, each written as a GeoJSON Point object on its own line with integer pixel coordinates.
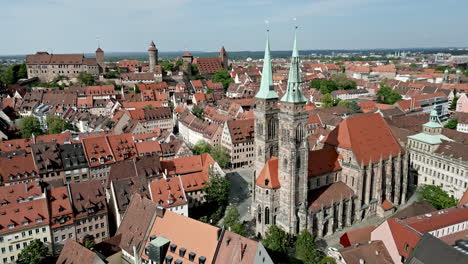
{"type": "Point", "coordinates": [98, 39]}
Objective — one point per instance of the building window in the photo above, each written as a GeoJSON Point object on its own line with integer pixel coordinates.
{"type": "Point", "coordinates": [267, 216]}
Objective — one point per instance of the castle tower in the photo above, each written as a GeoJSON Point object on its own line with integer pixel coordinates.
{"type": "Point", "coordinates": [223, 55]}
{"type": "Point", "coordinates": [266, 144]}
{"type": "Point", "coordinates": [100, 59]}
{"type": "Point", "coordinates": [153, 56]}
{"type": "Point", "coordinates": [293, 149]}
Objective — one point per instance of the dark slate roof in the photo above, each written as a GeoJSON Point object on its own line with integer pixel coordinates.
{"type": "Point", "coordinates": [431, 250]}
{"type": "Point", "coordinates": [73, 156]}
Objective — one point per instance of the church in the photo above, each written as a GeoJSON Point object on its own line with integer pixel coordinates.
{"type": "Point", "coordinates": [357, 171]}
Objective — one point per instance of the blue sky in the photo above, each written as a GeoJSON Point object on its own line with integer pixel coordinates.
{"type": "Point", "coordinates": [73, 25]}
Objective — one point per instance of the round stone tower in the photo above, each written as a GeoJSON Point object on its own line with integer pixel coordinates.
{"type": "Point", "coordinates": [153, 56]}
{"type": "Point", "coordinates": [100, 59]}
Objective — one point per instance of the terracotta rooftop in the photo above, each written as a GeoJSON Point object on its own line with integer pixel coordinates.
{"type": "Point", "coordinates": [208, 65]}
{"type": "Point", "coordinates": [373, 252]}
{"type": "Point", "coordinates": [236, 249]}
{"type": "Point", "coordinates": [368, 136]}
{"type": "Point", "coordinates": [186, 233]}
{"type": "Point", "coordinates": [75, 253]}
{"type": "Point", "coordinates": [268, 177]}
{"type": "Point", "coordinates": [323, 197]}
{"type": "Point", "coordinates": [241, 130]}
{"type": "Point", "coordinates": [168, 192]}
{"type": "Point", "coordinates": [323, 161]}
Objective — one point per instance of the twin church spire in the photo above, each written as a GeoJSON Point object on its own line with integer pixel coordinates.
{"type": "Point", "coordinates": [293, 93]}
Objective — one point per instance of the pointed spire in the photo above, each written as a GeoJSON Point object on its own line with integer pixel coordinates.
{"type": "Point", "coordinates": [267, 90]}
{"type": "Point", "coordinates": [294, 91]}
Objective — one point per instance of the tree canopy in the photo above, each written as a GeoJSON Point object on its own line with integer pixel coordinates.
{"type": "Point", "coordinates": [33, 253]}
{"type": "Point", "coordinates": [439, 198]}
{"type": "Point", "coordinates": [453, 105]}
{"type": "Point", "coordinates": [11, 74]}
{"type": "Point", "coordinates": [337, 82]}
{"type": "Point", "coordinates": [201, 147]}
{"type": "Point", "coordinates": [276, 240]}
{"type": "Point", "coordinates": [197, 111]}
{"type": "Point", "coordinates": [231, 220]}
{"type": "Point", "coordinates": [305, 247]}
{"type": "Point", "coordinates": [452, 123]}
{"type": "Point", "coordinates": [353, 106]}
{"type": "Point", "coordinates": [327, 101]}
{"type": "Point", "coordinates": [221, 156]}
{"type": "Point", "coordinates": [223, 77]}
{"type": "Point", "coordinates": [86, 79]}
{"type": "Point", "coordinates": [388, 96]}
{"type": "Point", "coordinates": [57, 125]}
{"type": "Point", "coordinates": [30, 125]}
{"type": "Point", "coordinates": [217, 189]}
{"type": "Point", "coordinates": [167, 66]}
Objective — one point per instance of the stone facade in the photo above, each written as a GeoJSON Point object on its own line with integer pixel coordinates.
{"type": "Point", "coordinates": [47, 67]}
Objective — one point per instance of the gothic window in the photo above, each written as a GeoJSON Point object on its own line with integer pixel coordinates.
{"type": "Point", "coordinates": [299, 133]}
{"type": "Point", "coordinates": [259, 214]}
{"type": "Point", "coordinates": [267, 216]}
{"type": "Point", "coordinates": [271, 128]}
{"type": "Point", "coordinates": [285, 162]}
{"type": "Point", "coordinates": [274, 219]}
{"type": "Point", "coordinates": [259, 151]}
{"type": "Point", "coordinates": [298, 161]}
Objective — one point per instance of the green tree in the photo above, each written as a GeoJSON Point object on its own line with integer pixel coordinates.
{"type": "Point", "coordinates": [195, 72]}
{"type": "Point", "coordinates": [57, 125]}
{"type": "Point", "coordinates": [22, 71]}
{"type": "Point", "coordinates": [197, 111]}
{"type": "Point", "coordinates": [33, 253]}
{"type": "Point", "coordinates": [412, 65]}
{"type": "Point", "coordinates": [388, 96]}
{"type": "Point", "coordinates": [86, 79]}
{"type": "Point", "coordinates": [217, 189]}
{"type": "Point", "coordinates": [179, 63]}
{"type": "Point", "coordinates": [327, 101]}
{"type": "Point", "coordinates": [231, 220]}
{"type": "Point", "coordinates": [8, 76]}
{"type": "Point", "coordinates": [201, 147]}
{"type": "Point", "coordinates": [136, 89]}
{"type": "Point", "coordinates": [167, 66]}
{"type": "Point", "coordinates": [223, 77]}
{"type": "Point", "coordinates": [439, 198]}
{"type": "Point", "coordinates": [342, 82]}
{"type": "Point", "coordinates": [305, 247]}
{"type": "Point", "coordinates": [220, 155]}
{"type": "Point", "coordinates": [30, 125]}
{"type": "Point", "coordinates": [452, 123]}
{"type": "Point", "coordinates": [111, 75]}
{"type": "Point", "coordinates": [276, 240]}
{"type": "Point", "coordinates": [453, 105]}
{"type": "Point", "coordinates": [328, 86]}
{"type": "Point", "coordinates": [353, 106]}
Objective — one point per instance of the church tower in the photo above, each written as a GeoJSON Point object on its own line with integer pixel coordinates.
{"type": "Point", "coordinates": [100, 59]}
{"type": "Point", "coordinates": [223, 56]}
{"type": "Point", "coordinates": [293, 149]}
{"type": "Point", "coordinates": [153, 56]}
{"type": "Point", "coordinates": [266, 115]}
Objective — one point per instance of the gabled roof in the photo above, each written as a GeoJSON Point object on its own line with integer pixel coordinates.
{"type": "Point", "coordinates": [368, 136]}
{"type": "Point", "coordinates": [268, 177]}
{"type": "Point", "coordinates": [168, 192]}
{"type": "Point", "coordinates": [75, 253]}
{"type": "Point", "coordinates": [323, 161]}
{"type": "Point", "coordinates": [373, 252]}
{"type": "Point", "coordinates": [323, 197]}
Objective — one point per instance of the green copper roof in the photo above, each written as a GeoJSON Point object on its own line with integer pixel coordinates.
{"type": "Point", "coordinates": [430, 139]}
{"type": "Point", "coordinates": [294, 91]}
{"type": "Point", "coordinates": [267, 90]}
{"type": "Point", "coordinates": [433, 120]}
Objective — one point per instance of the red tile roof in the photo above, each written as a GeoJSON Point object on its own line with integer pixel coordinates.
{"type": "Point", "coordinates": [236, 249]}
{"type": "Point", "coordinates": [88, 198]}
{"type": "Point", "coordinates": [18, 165]}
{"type": "Point", "coordinates": [141, 104]}
{"type": "Point", "coordinates": [100, 90]}
{"type": "Point", "coordinates": [23, 215]}
{"type": "Point", "coordinates": [355, 236]}
{"type": "Point", "coordinates": [325, 196]}
{"type": "Point", "coordinates": [323, 161]}
{"type": "Point", "coordinates": [186, 233]}
{"type": "Point", "coordinates": [60, 207]}
{"type": "Point", "coordinates": [368, 136]}
{"type": "Point", "coordinates": [208, 65]}
{"type": "Point", "coordinates": [122, 147]}
{"type": "Point", "coordinates": [98, 151]}
{"type": "Point", "coordinates": [268, 177]}
{"type": "Point", "coordinates": [241, 130]}
{"type": "Point", "coordinates": [168, 192]}
{"type": "Point", "coordinates": [464, 199]}
{"type": "Point", "coordinates": [75, 253]}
